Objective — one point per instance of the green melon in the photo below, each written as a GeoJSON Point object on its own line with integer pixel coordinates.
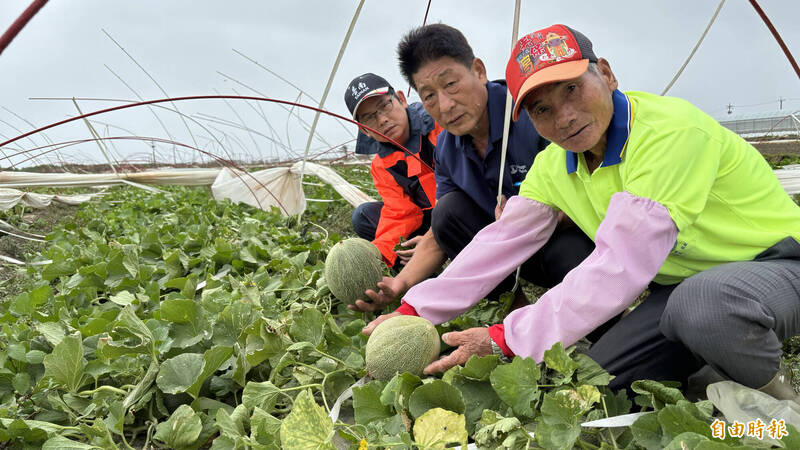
{"type": "Point", "coordinates": [353, 266]}
{"type": "Point", "coordinates": [401, 344]}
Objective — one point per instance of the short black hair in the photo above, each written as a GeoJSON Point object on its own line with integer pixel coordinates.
{"type": "Point", "coordinates": [428, 43]}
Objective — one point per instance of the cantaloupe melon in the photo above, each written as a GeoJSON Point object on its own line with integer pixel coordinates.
{"type": "Point", "coordinates": [353, 266]}
{"type": "Point", "coordinates": [401, 344]}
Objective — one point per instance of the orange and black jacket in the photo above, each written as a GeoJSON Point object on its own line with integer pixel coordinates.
{"type": "Point", "coordinates": [406, 186]}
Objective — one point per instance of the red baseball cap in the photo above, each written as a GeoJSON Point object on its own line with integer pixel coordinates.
{"type": "Point", "coordinates": [555, 53]}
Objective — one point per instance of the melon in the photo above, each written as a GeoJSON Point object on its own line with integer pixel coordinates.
{"type": "Point", "coordinates": [353, 266]}
{"type": "Point", "coordinates": [401, 344]}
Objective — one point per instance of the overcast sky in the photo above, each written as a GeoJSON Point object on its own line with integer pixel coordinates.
{"type": "Point", "coordinates": [185, 44]}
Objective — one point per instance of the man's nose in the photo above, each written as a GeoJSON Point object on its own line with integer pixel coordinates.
{"type": "Point", "coordinates": [565, 116]}
{"type": "Point", "coordinates": [445, 102]}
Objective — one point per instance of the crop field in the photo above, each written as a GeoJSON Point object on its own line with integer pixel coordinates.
{"type": "Point", "coordinates": [177, 321]}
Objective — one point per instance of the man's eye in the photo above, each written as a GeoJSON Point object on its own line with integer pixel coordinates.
{"type": "Point", "coordinates": [571, 87]}
{"type": "Point", "coordinates": [541, 110]}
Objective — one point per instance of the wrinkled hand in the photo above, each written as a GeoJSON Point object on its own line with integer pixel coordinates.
{"type": "Point", "coordinates": [371, 326]}
{"type": "Point", "coordinates": [473, 341]}
{"type": "Point", "coordinates": [389, 290]}
{"type": "Point", "coordinates": [498, 210]}
{"type": "Point", "coordinates": [405, 255]}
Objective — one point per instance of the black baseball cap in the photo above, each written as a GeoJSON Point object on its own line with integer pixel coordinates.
{"type": "Point", "coordinates": [364, 87]}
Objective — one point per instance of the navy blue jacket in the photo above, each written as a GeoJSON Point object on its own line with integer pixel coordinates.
{"type": "Point", "coordinates": [458, 166]}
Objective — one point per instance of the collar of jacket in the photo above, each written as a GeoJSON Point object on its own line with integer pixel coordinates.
{"type": "Point", "coordinates": [420, 123]}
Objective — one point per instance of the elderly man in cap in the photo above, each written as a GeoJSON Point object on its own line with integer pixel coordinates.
{"type": "Point", "coordinates": [439, 64]}
{"type": "Point", "coordinates": [403, 177]}
{"type": "Point", "coordinates": [673, 202]}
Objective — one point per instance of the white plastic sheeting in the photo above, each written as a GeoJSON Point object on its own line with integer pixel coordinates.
{"type": "Point", "coordinates": [185, 177]}
{"type": "Point", "coordinates": [281, 183]}
{"type": "Point", "coordinates": [11, 197]}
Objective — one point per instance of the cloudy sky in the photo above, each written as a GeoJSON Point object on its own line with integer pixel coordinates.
{"type": "Point", "coordinates": [188, 48]}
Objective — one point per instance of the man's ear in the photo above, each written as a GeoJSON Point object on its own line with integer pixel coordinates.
{"type": "Point", "coordinates": [479, 69]}
{"type": "Point", "coordinates": [605, 72]}
{"type": "Point", "coordinates": [401, 98]}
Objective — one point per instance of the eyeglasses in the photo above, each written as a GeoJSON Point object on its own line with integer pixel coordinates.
{"type": "Point", "coordinates": [384, 107]}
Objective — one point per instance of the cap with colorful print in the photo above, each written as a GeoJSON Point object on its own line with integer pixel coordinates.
{"type": "Point", "coordinates": [364, 87]}
{"type": "Point", "coordinates": [555, 53]}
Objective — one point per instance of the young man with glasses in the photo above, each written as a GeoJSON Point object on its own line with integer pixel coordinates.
{"type": "Point", "coordinates": [404, 179]}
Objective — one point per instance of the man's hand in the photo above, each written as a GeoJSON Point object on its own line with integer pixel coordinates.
{"type": "Point", "coordinates": [389, 290]}
{"type": "Point", "coordinates": [498, 210]}
{"type": "Point", "coordinates": [411, 245]}
{"type": "Point", "coordinates": [474, 341]}
{"type": "Point", "coordinates": [371, 326]}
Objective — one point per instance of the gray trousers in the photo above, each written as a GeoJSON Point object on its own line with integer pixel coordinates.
{"type": "Point", "coordinates": [732, 317]}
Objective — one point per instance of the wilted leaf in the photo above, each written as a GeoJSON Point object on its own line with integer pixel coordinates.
{"type": "Point", "coordinates": [439, 429]}
{"type": "Point", "coordinates": [307, 427]}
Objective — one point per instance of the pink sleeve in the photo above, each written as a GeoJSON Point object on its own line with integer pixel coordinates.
{"type": "Point", "coordinates": [631, 244]}
{"type": "Point", "coordinates": [493, 254]}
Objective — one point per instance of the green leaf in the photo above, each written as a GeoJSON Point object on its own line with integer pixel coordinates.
{"type": "Point", "coordinates": [616, 404]}
{"type": "Point", "coordinates": [656, 394]}
{"type": "Point", "coordinates": [232, 425]}
{"type": "Point", "coordinates": [496, 431]}
{"type": "Point", "coordinates": [367, 403]}
{"type": "Point", "coordinates": [480, 367]}
{"type": "Point", "coordinates": [436, 394]}
{"type": "Point", "coordinates": [123, 298]}
{"type": "Point", "coordinates": [265, 429]}
{"type": "Point", "coordinates": [589, 372]}
{"type": "Point", "coordinates": [683, 417]}
{"type": "Point", "coordinates": [558, 427]}
{"type": "Point", "coordinates": [557, 359]}
{"type": "Point", "coordinates": [21, 382]}
{"type": "Point", "coordinates": [131, 259]}
{"type": "Point", "coordinates": [180, 372]}
{"type": "Point", "coordinates": [260, 395]}
{"type": "Point", "coordinates": [478, 396]}
{"type": "Point", "coordinates": [65, 365]}
{"type": "Point", "coordinates": [308, 326]}
{"type": "Point", "coordinates": [439, 429]}
{"type": "Point", "coordinates": [27, 302]}
{"type": "Point", "coordinates": [213, 359]}
{"type": "Point", "coordinates": [62, 443]}
{"type": "Point", "coordinates": [307, 427]}
{"type": "Point", "coordinates": [128, 335]}
{"type": "Point", "coordinates": [517, 385]}
{"type": "Point", "coordinates": [181, 429]}
{"type": "Point", "coordinates": [647, 432]}
{"type": "Point", "coordinates": [52, 331]}
{"type": "Point", "coordinates": [399, 389]}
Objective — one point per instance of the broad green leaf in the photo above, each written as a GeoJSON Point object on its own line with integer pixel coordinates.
{"type": "Point", "coordinates": [179, 310]}
{"type": "Point", "coordinates": [616, 404]}
{"type": "Point", "coordinates": [683, 417]}
{"type": "Point", "coordinates": [62, 443]}
{"type": "Point", "coordinates": [181, 429]}
{"type": "Point", "coordinates": [558, 426]}
{"type": "Point", "coordinates": [647, 432]}
{"type": "Point", "coordinates": [128, 335]}
{"type": "Point", "coordinates": [260, 395]}
{"type": "Point", "coordinates": [308, 326]}
{"type": "Point", "coordinates": [230, 425]}
{"type": "Point", "coordinates": [265, 429]}
{"type": "Point", "coordinates": [589, 372]}
{"type": "Point", "coordinates": [123, 298]}
{"type": "Point", "coordinates": [688, 440]}
{"type": "Point", "coordinates": [439, 429]}
{"type": "Point", "coordinates": [399, 389]}
{"type": "Point", "coordinates": [436, 394]}
{"type": "Point", "coordinates": [557, 359]}
{"type": "Point", "coordinates": [65, 365]}
{"type": "Point", "coordinates": [480, 367]}
{"type": "Point", "coordinates": [517, 384]}
{"type": "Point", "coordinates": [27, 302]}
{"type": "Point", "coordinates": [213, 359]}
{"type": "Point", "coordinates": [21, 382]}
{"type": "Point", "coordinates": [478, 396]}
{"type": "Point", "coordinates": [131, 259]}
{"type": "Point", "coordinates": [52, 331]}
{"type": "Point", "coordinates": [307, 427]}
{"type": "Point", "coordinates": [180, 372]}
{"type": "Point", "coordinates": [367, 403]}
